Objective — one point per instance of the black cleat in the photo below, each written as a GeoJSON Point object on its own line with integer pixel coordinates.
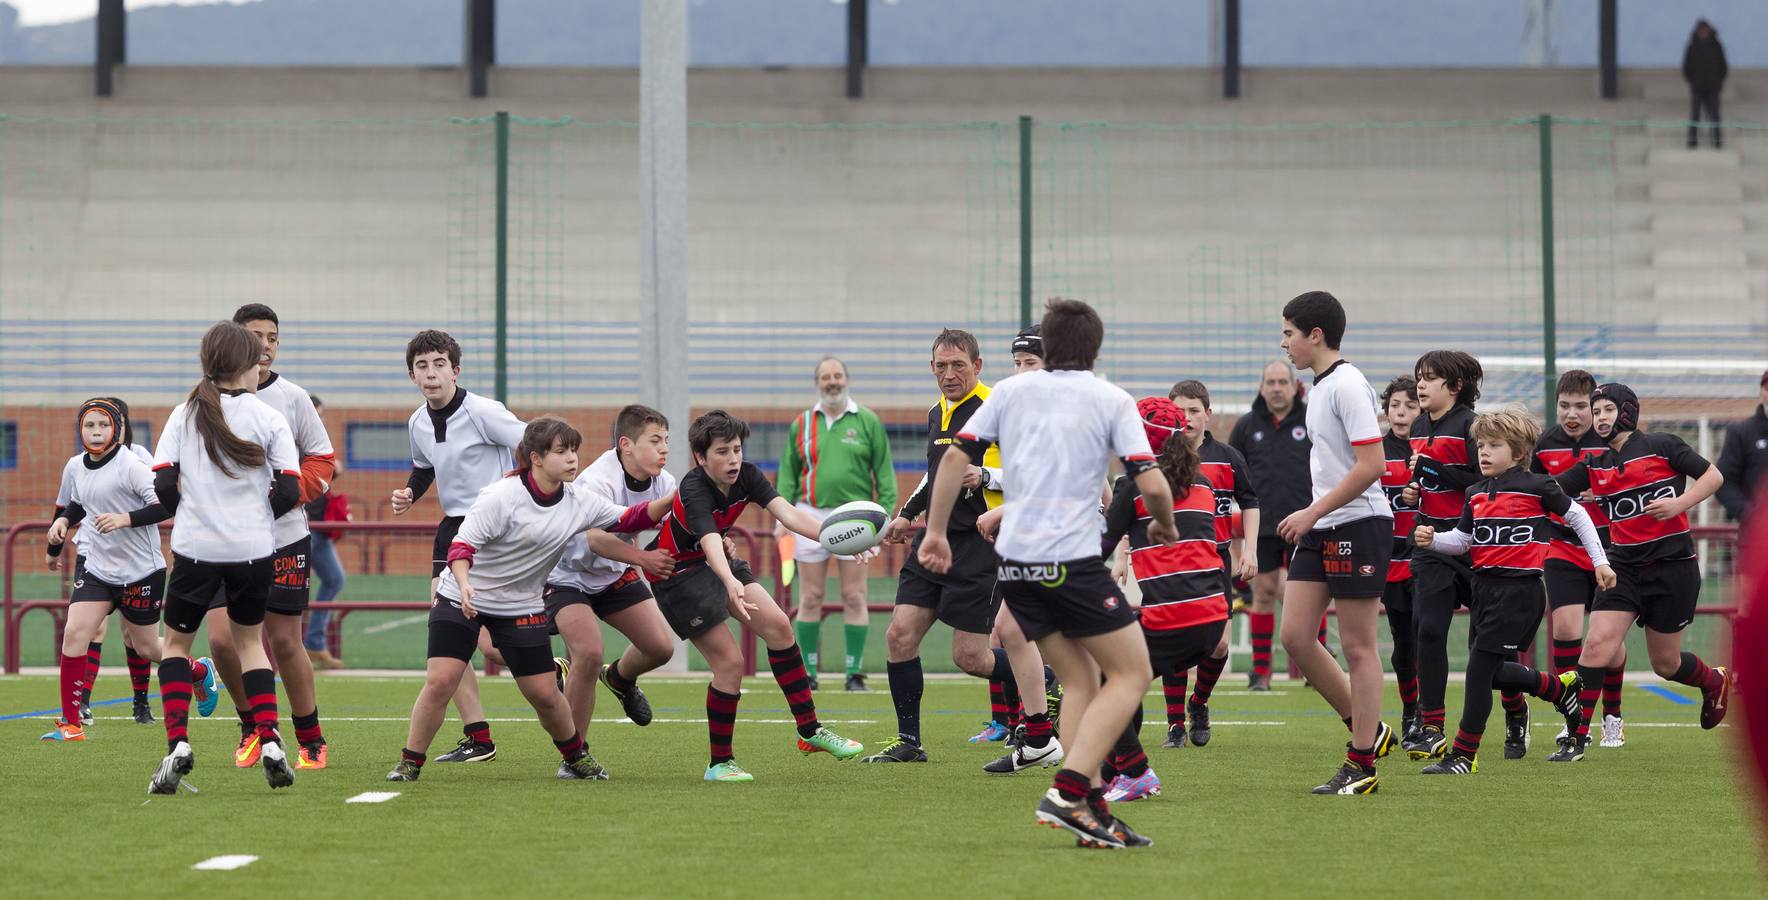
{"type": "Point", "coordinates": [1117, 828]}
{"type": "Point", "coordinates": [815, 684]}
{"type": "Point", "coordinates": [1385, 739]}
{"type": "Point", "coordinates": [561, 671]}
{"type": "Point", "coordinates": [1350, 779]}
{"type": "Point", "coordinates": [898, 750]}
{"type": "Point", "coordinates": [406, 770]}
{"type": "Point", "coordinates": [172, 770]}
{"type": "Point", "coordinates": [856, 684]}
{"type": "Point", "coordinates": [1568, 704]}
{"type": "Point", "coordinates": [1016, 737]}
{"type": "Point", "coordinates": [1571, 749]}
{"type": "Point", "coordinates": [85, 714]}
{"type": "Point", "coordinates": [1714, 704]}
{"type": "Point", "coordinates": [582, 768]}
{"type": "Point", "coordinates": [1078, 818]}
{"type": "Point", "coordinates": [143, 713]}
{"type": "Point", "coordinates": [1430, 744]}
{"type": "Point", "coordinates": [470, 751]}
{"type": "Point", "coordinates": [1199, 714]}
{"type": "Point", "coordinates": [1053, 696]}
{"type": "Point", "coordinates": [1257, 682]}
{"type": "Point", "coordinates": [1452, 764]}
{"type": "Point", "coordinates": [1175, 737]}
{"type": "Point", "coordinates": [633, 703]}
{"type": "Point", "coordinates": [1410, 722]}
{"type": "Point", "coordinates": [1516, 734]}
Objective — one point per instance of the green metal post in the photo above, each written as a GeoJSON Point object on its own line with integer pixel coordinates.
{"type": "Point", "coordinates": [501, 272]}
{"type": "Point", "coordinates": [1024, 221]}
{"type": "Point", "coordinates": [1549, 312]}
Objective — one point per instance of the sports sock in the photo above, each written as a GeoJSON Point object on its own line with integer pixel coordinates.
{"type": "Point", "coordinates": [1174, 687]}
{"type": "Point", "coordinates": [1476, 706]}
{"type": "Point", "coordinates": [245, 720]}
{"type": "Point", "coordinates": [620, 682]}
{"type": "Point", "coordinates": [1003, 667]}
{"type": "Point", "coordinates": [856, 647]}
{"type": "Point", "coordinates": [1096, 801]}
{"type": "Point", "coordinates": [1587, 697]}
{"type": "Point", "coordinates": [1134, 763]}
{"type": "Point", "coordinates": [572, 747]}
{"type": "Point", "coordinates": [307, 729]}
{"type": "Point", "coordinates": [1513, 702]}
{"type": "Point", "coordinates": [809, 636]}
{"type": "Point", "coordinates": [1467, 743]}
{"type": "Point", "coordinates": [1129, 743]}
{"type": "Point", "coordinates": [1323, 620]}
{"type": "Point", "coordinates": [1514, 676]}
{"type": "Point", "coordinates": [260, 685]}
{"type": "Point", "coordinates": [1404, 657]}
{"type": "Point", "coordinates": [139, 671]}
{"type": "Point", "coordinates": [1015, 703]}
{"type": "Point", "coordinates": [1427, 716]}
{"type": "Point", "coordinates": [477, 732]}
{"type": "Point", "coordinates": [1566, 653]}
{"type": "Point", "coordinates": [413, 757]}
{"type": "Point", "coordinates": [1208, 673]}
{"type": "Point", "coordinates": [1695, 673]}
{"type": "Point", "coordinates": [905, 694]}
{"type": "Point", "coordinates": [1263, 626]}
{"type": "Point", "coordinates": [1072, 785]}
{"type": "Point", "coordinates": [94, 655]}
{"type": "Point", "coordinates": [997, 703]}
{"type": "Point", "coordinates": [1612, 682]}
{"type": "Point", "coordinates": [1038, 730]}
{"type": "Point", "coordinates": [794, 682]}
{"type": "Point", "coordinates": [175, 698]}
{"type": "Point", "coordinates": [721, 720]}
{"type": "Point", "coordinates": [73, 684]}
{"type": "Point", "coordinates": [1363, 758]}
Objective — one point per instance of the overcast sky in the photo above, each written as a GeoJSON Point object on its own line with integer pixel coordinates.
{"type": "Point", "coordinates": [44, 12]}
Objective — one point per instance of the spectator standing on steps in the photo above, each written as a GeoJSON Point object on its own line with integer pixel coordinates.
{"type": "Point", "coordinates": [1704, 68]}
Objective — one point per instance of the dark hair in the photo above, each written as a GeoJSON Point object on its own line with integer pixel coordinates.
{"type": "Point", "coordinates": [430, 341]}
{"type": "Point", "coordinates": [713, 427]}
{"type": "Point", "coordinates": [1405, 384]}
{"type": "Point", "coordinates": [1459, 371]}
{"type": "Point", "coordinates": [1180, 463]}
{"type": "Point", "coordinates": [541, 435]}
{"type": "Point", "coordinates": [128, 430]}
{"type": "Point", "coordinates": [254, 312]}
{"type": "Point", "coordinates": [314, 399]}
{"type": "Point", "coordinates": [1580, 382]}
{"type": "Point", "coordinates": [1072, 333]}
{"type": "Point", "coordinates": [1317, 309]}
{"type": "Point", "coordinates": [631, 422]}
{"type": "Point", "coordinates": [228, 351]}
{"type": "Point", "coordinates": [1190, 389]}
{"type": "Point", "coordinates": [958, 339]}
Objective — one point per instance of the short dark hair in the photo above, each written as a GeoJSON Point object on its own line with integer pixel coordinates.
{"type": "Point", "coordinates": [541, 435]}
{"type": "Point", "coordinates": [957, 339]}
{"type": "Point", "coordinates": [1575, 381]}
{"type": "Point", "coordinates": [255, 312]}
{"type": "Point", "coordinates": [1405, 384]}
{"type": "Point", "coordinates": [1190, 389]}
{"type": "Point", "coordinates": [1458, 370]}
{"type": "Point", "coordinates": [430, 341]}
{"type": "Point", "coordinates": [1072, 333]}
{"type": "Point", "coordinates": [631, 421]}
{"type": "Point", "coordinates": [713, 427]}
{"type": "Point", "coordinates": [1317, 309]}
{"type": "Point", "coordinates": [314, 399]}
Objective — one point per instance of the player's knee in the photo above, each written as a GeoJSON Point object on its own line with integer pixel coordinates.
{"type": "Point", "coordinates": [587, 659]}
{"type": "Point", "coordinates": [1665, 662]}
{"type": "Point", "coordinates": [977, 662]}
{"type": "Point", "coordinates": [901, 643]}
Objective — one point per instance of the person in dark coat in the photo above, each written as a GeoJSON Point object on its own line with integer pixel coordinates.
{"type": "Point", "coordinates": [1743, 459]}
{"type": "Point", "coordinates": [1704, 68]}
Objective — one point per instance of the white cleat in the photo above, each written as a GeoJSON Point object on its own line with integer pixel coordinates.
{"type": "Point", "coordinates": [1025, 757]}
{"type": "Point", "coordinates": [1614, 732]}
{"type": "Point", "coordinates": [172, 770]}
{"type": "Point", "coordinates": [276, 765]}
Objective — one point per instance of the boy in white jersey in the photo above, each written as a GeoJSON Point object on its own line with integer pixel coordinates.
{"type": "Point", "coordinates": [512, 536]}
{"type": "Point", "coordinates": [1342, 539]}
{"type": "Point", "coordinates": [1063, 424]}
{"type": "Point", "coordinates": [599, 576]}
{"type": "Point", "coordinates": [460, 442]}
{"type": "Point", "coordinates": [120, 566]}
{"type": "Point", "coordinates": [226, 467]}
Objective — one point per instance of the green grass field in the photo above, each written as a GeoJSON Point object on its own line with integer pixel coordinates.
{"type": "Point", "coordinates": [1668, 815]}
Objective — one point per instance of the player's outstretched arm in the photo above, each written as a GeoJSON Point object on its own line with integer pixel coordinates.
{"type": "Point", "coordinates": [796, 520]}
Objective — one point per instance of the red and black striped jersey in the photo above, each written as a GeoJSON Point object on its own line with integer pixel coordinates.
{"type": "Point", "coordinates": [1442, 487]}
{"type": "Point", "coordinates": [1555, 453]}
{"type": "Point", "coordinates": [1649, 466]}
{"type": "Point", "coordinates": [1182, 585]}
{"type": "Point", "coordinates": [1394, 478]}
{"type": "Point", "coordinates": [1225, 470]}
{"type": "Point", "coordinates": [701, 509]}
{"type": "Point", "coordinates": [1507, 517]}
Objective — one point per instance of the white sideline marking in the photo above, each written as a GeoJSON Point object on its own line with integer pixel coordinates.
{"type": "Point", "coordinates": [235, 722]}
{"type": "Point", "coordinates": [1232, 722]}
{"type": "Point", "coordinates": [373, 797]}
{"type": "Point", "coordinates": [400, 622]}
{"type": "Point", "coordinates": [225, 863]}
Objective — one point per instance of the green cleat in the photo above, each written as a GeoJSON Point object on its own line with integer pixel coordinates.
{"type": "Point", "coordinates": [826, 741]}
{"type": "Point", "coordinates": [727, 771]}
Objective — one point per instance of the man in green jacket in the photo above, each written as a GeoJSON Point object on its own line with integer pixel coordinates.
{"type": "Point", "coordinates": [836, 452]}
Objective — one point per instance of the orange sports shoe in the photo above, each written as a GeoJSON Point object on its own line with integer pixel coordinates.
{"type": "Point", "coordinates": [65, 731]}
{"type": "Point", "coordinates": [311, 756]}
{"type": "Point", "coordinates": [247, 754]}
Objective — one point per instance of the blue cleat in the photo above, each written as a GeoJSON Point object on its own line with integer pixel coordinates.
{"type": "Point", "coordinates": [208, 690]}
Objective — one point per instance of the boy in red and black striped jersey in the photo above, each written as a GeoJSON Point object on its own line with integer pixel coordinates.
{"type": "Point", "coordinates": [1504, 528]}
{"type": "Point", "coordinates": [1571, 580]}
{"type": "Point", "coordinates": [1399, 402]}
{"type": "Point", "coordinates": [1642, 481]}
{"type": "Point", "coordinates": [707, 587]}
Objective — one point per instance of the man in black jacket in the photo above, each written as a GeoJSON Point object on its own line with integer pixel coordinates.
{"type": "Point", "coordinates": [1744, 458]}
{"type": "Point", "coordinates": [1704, 68]}
{"type": "Point", "coordinates": [1273, 437]}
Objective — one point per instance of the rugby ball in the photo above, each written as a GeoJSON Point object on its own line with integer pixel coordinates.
{"type": "Point", "coordinates": [853, 528]}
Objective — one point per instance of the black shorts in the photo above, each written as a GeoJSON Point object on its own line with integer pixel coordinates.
{"type": "Point", "coordinates": [695, 602]}
{"type": "Point", "coordinates": [1077, 598]}
{"type": "Point", "coordinates": [289, 583]}
{"type": "Point", "coordinates": [1175, 651]}
{"type": "Point", "coordinates": [965, 597]}
{"type": "Point", "coordinates": [445, 532]}
{"type": "Point", "coordinates": [1661, 594]}
{"type": "Point", "coordinates": [1350, 558]}
{"type": "Point", "coordinates": [1569, 585]}
{"type": "Point", "coordinates": [1397, 597]}
{"type": "Point", "coordinates": [523, 640]}
{"type": "Point", "coordinates": [627, 592]}
{"type": "Point", "coordinates": [1506, 613]}
{"type": "Point", "coordinates": [139, 601]}
{"type": "Point", "coordinates": [244, 588]}
{"type": "Point", "coordinates": [1273, 553]}
{"type": "Point", "coordinates": [1441, 581]}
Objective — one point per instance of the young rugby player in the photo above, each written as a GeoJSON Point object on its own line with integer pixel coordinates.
{"type": "Point", "coordinates": [1400, 401]}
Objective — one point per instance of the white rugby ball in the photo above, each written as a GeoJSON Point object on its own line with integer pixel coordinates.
{"type": "Point", "coordinates": [853, 528]}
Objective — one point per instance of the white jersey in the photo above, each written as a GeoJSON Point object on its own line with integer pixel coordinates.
{"type": "Point", "coordinates": [1341, 417]}
{"type": "Point", "coordinates": [225, 518]}
{"type": "Point", "coordinates": [470, 443]}
{"type": "Point", "coordinates": [122, 484]}
{"type": "Point", "coordinates": [1060, 429]}
{"type": "Point", "coordinates": [292, 401]}
{"type": "Point", "coordinates": [580, 568]}
{"type": "Point", "coordinates": [67, 483]}
{"type": "Point", "coordinates": [517, 540]}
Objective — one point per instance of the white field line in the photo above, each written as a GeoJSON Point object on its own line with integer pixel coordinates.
{"type": "Point", "coordinates": [225, 863]}
{"type": "Point", "coordinates": [372, 797]}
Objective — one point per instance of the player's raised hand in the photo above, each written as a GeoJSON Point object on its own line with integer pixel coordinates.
{"type": "Point", "coordinates": [401, 501]}
{"type": "Point", "coordinates": [1605, 578]}
{"type": "Point", "coordinates": [737, 602]}
{"type": "Point", "coordinates": [1424, 536]}
{"type": "Point", "coordinates": [898, 531]}
{"type": "Point", "coordinates": [936, 553]}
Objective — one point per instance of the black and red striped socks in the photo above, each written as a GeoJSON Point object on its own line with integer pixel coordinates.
{"type": "Point", "coordinates": [1695, 673]}
{"type": "Point", "coordinates": [1467, 742]}
{"type": "Point", "coordinates": [1174, 686]}
{"type": "Point", "coordinates": [1588, 695]}
{"type": "Point", "coordinates": [1263, 626]}
{"type": "Point", "coordinates": [260, 685]}
{"type": "Point", "coordinates": [721, 720]}
{"type": "Point", "coordinates": [572, 747]}
{"type": "Point", "coordinates": [1208, 673]}
{"type": "Point", "coordinates": [1566, 653]}
{"type": "Point", "coordinates": [175, 698]}
{"type": "Point", "coordinates": [1071, 785]}
{"type": "Point", "coordinates": [307, 729]}
{"type": "Point", "coordinates": [413, 757]}
{"type": "Point", "coordinates": [1323, 619]}
{"type": "Point", "coordinates": [94, 656]}
{"type": "Point", "coordinates": [997, 703]}
{"type": "Point", "coordinates": [1038, 730]}
{"type": "Point", "coordinates": [477, 732]}
{"type": "Point", "coordinates": [139, 669]}
{"type": "Point", "coordinates": [794, 682]}
{"type": "Point", "coordinates": [1612, 682]}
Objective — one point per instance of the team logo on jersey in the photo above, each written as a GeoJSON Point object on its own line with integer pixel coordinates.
{"type": "Point", "coordinates": [1049, 575]}
{"type": "Point", "coordinates": [1762, 443]}
{"type": "Point", "coordinates": [1110, 604]}
{"type": "Point", "coordinates": [1299, 433]}
{"type": "Point", "coordinates": [1366, 570]}
{"type": "Point", "coordinates": [1504, 535]}
{"type": "Point", "coordinates": [1258, 435]}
